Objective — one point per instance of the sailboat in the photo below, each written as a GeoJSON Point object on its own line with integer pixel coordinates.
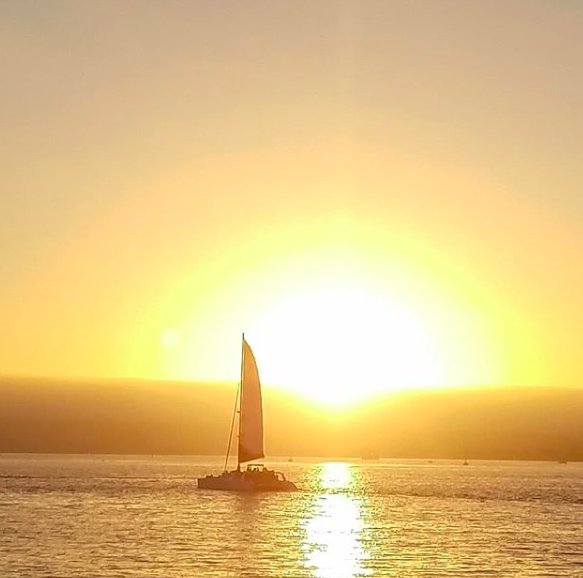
{"type": "Point", "coordinates": [255, 477]}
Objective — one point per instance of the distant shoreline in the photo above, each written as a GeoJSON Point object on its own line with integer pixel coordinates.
{"type": "Point", "coordinates": [297, 459]}
{"type": "Point", "coordinates": [163, 418]}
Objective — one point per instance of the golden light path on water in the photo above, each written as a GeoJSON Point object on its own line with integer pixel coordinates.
{"type": "Point", "coordinates": [333, 544]}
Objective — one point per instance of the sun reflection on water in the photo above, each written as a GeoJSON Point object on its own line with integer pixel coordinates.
{"type": "Point", "coordinates": [333, 543]}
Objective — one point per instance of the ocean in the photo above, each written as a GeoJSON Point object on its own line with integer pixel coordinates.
{"type": "Point", "coordinates": [64, 516]}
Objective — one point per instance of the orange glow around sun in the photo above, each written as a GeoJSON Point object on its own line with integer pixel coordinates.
{"type": "Point", "coordinates": [334, 335]}
{"type": "Point", "coordinates": [342, 305]}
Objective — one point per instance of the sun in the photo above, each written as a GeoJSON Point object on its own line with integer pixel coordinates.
{"type": "Point", "coordinates": [338, 345]}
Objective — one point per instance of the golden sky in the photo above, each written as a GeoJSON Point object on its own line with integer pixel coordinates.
{"type": "Point", "coordinates": [382, 195]}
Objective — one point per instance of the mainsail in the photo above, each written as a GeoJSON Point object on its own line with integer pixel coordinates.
{"type": "Point", "coordinates": [250, 409]}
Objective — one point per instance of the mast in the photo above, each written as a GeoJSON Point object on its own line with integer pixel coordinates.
{"type": "Point", "coordinates": [237, 400]}
{"type": "Point", "coordinates": [240, 393]}
{"type": "Point", "coordinates": [232, 427]}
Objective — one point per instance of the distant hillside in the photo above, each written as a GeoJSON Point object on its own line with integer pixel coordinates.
{"type": "Point", "coordinates": [42, 415]}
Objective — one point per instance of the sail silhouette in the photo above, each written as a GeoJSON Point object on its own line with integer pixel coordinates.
{"type": "Point", "coordinates": [250, 446]}
{"type": "Point", "coordinates": [250, 410]}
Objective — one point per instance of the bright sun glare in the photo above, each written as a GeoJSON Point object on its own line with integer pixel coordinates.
{"type": "Point", "coordinates": [339, 345]}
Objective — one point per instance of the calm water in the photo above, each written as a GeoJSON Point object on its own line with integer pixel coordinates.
{"type": "Point", "coordinates": [135, 516]}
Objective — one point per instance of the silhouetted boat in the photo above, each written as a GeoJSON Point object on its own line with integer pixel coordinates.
{"type": "Point", "coordinates": [369, 456]}
{"type": "Point", "coordinates": [466, 463]}
{"type": "Point", "coordinates": [250, 447]}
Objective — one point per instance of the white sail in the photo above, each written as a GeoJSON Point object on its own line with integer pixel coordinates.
{"type": "Point", "coordinates": [251, 410]}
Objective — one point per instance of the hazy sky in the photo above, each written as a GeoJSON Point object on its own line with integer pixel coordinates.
{"type": "Point", "coordinates": [387, 194]}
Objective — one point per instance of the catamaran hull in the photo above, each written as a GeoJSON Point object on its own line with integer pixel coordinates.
{"type": "Point", "coordinates": [240, 484]}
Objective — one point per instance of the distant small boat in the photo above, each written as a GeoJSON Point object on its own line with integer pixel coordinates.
{"type": "Point", "coordinates": [563, 462]}
{"type": "Point", "coordinates": [250, 447]}
{"type": "Point", "coordinates": [369, 456]}
{"type": "Point", "coordinates": [466, 463]}
{"type": "Point", "coordinates": [290, 459]}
